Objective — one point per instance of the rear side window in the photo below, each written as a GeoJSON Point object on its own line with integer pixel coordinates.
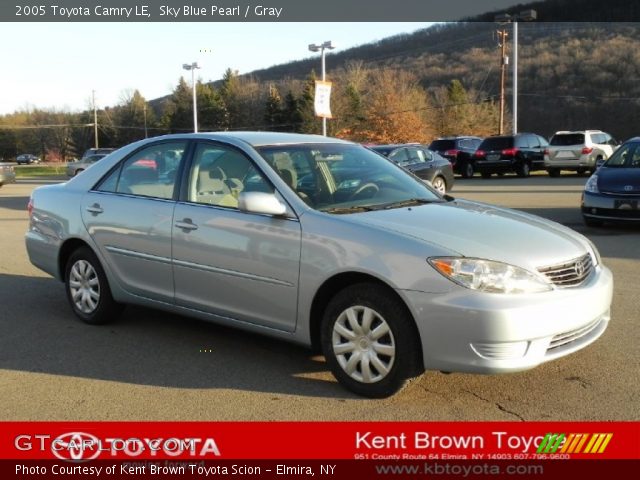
{"type": "Point", "coordinates": [496, 143]}
{"type": "Point", "coordinates": [523, 141]}
{"type": "Point", "coordinates": [442, 145]}
{"type": "Point", "coordinates": [565, 139]}
{"type": "Point", "coordinates": [150, 172]}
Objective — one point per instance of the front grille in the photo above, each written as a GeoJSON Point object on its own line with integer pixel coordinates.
{"type": "Point", "coordinates": [569, 274]}
{"type": "Point", "coordinates": [568, 337]}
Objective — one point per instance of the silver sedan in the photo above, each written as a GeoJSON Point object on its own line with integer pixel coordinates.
{"type": "Point", "coordinates": [324, 243]}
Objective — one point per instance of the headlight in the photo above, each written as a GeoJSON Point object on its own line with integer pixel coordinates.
{"type": "Point", "coordinates": [592, 184]}
{"type": "Point", "coordinates": [489, 276]}
{"type": "Point", "coordinates": [596, 253]}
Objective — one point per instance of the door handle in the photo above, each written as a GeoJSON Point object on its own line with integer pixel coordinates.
{"type": "Point", "coordinates": [186, 224]}
{"type": "Point", "coordinates": [96, 209]}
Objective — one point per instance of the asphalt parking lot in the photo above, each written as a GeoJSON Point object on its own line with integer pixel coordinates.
{"type": "Point", "coordinates": [156, 366]}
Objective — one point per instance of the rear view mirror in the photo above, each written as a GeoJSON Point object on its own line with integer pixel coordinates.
{"type": "Point", "coordinates": [261, 202]}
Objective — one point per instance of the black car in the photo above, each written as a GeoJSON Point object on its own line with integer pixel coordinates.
{"type": "Point", "coordinates": [422, 162]}
{"type": "Point", "coordinates": [612, 193]}
{"type": "Point", "coordinates": [27, 159]}
{"type": "Point", "coordinates": [459, 151]}
{"type": "Point", "coordinates": [521, 154]}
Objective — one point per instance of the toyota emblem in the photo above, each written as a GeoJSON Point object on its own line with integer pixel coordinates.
{"type": "Point", "coordinates": [579, 268]}
{"type": "Point", "coordinates": [628, 188]}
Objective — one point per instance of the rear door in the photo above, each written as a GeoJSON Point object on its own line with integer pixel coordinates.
{"type": "Point", "coordinates": [129, 216]}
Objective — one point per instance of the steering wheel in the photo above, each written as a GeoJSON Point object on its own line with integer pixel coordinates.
{"type": "Point", "coordinates": [367, 190]}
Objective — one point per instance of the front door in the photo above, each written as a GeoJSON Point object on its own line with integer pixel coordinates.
{"type": "Point", "coordinates": [230, 263]}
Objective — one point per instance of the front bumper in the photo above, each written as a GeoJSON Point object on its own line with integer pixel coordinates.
{"type": "Point", "coordinates": [469, 331]}
{"type": "Point", "coordinates": [611, 207]}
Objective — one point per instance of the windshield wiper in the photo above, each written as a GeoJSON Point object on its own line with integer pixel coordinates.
{"type": "Point", "coordinates": [407, 203]}
{"type": "Point", "coordinates": [352, 209]}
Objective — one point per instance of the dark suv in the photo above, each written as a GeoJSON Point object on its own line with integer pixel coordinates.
{"type": "Point", "coordinates": [459, 151]}
{"type": "Point", "coordinates": [520, 153]}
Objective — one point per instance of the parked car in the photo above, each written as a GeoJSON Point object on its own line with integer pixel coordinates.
{"type": "Point", "coordinates": [374, 268]}
{"type": "Point", "coordinates": [459, 151]}
{"type": "Point", "coordinates": [97, 151]}
{"type": "Point", "coordinates": [7, 173]}
{"type": "Point", "coordinates": [578, 151]}
{"type": "Point", "coordinates": [521, 153]}
{"type": "Point", "coordinates": [422, 162]}
{"type": "Point", "coordinates": [74, 168]}
{"type": "Point", "coordinates": [27, 159]}
{"type": "Point", "coordinates": [612, 193]}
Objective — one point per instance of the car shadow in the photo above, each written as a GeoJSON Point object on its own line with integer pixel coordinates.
{"type": "Point", "coordinates": [14, 203]}
{"type": "Point", "coordinates": [149, 347]}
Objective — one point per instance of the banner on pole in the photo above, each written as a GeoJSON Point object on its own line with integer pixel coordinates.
{"type": "Point", "coordinates": [322, 103]}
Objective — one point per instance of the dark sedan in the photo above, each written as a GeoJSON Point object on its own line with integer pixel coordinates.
{"type": "Point", "coordinates": [422, 162]}
{"type": "Point", "coordinates": [612, 193]}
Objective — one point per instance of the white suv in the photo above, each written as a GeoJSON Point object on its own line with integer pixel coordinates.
{"type": "Point", "coordinates": [579, 150]}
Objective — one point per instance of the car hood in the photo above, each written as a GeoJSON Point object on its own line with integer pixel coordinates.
{"type": "Point", "coordinates": [614, 180]}
{"type": "Point", "coordinates": [483, 231]}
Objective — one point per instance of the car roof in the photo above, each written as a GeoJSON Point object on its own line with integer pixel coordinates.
{"type": "Point", "coordinates": [569, 132]}
{"type": "Point", "coordinates": [258, 139]}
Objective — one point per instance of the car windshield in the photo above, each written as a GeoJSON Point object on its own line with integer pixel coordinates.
{"type": "Point", "coordinates": [442, 145]}
{"type": "Point", "coordinates": [564, 139]}
{"type": "Point", "coordinates": [343, 178]}
{"type": "Point", "coordinates": [627, 156]}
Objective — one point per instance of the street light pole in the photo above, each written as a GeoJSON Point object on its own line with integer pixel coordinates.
{"type": "Point", "coordinates": [527, 16]}
{"type": "Point", "coordinates": [192, 67]}
{"type": "Point", "coordinates": [321, 48]}
{"type": "Point", "coordinates": [515, 75]}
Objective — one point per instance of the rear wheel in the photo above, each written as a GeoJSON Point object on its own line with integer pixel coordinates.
{"type": "Point", "coordinates": [553, 172]}
{"type": "Point", "coordinates": [440, 185]}
{"type": "Point", "coordinates": [369, 341]}
{"type": "Point", "coordinates": [523, 170]}
{"type": "Point", "coordinates": [87, 288]}
{"type": "Point", "coordinates": [467, 170]}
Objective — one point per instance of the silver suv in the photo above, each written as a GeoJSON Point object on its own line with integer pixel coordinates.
{"type": "Point", "coordinates": [579, 151]}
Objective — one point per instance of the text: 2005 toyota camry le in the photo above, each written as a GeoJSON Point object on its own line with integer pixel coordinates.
{"type": "Point", "coordinates": [325, 243]}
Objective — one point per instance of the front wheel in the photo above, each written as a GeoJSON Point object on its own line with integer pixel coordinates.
{"type": "Point", "coordinates": [553, 172]}
{"type": "Point", "coordinates": [87, 288]}
{"type": "Point", "coordinates": [370, 341]}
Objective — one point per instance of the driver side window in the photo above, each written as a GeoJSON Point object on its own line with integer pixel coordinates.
{"type": "Point", "coordinates": [219, 174]}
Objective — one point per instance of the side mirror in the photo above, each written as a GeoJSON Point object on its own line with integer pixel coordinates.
{"type": "Point", "coordinates": [600, 162]}
{"type": "Point", "coordinates": [262, 203]}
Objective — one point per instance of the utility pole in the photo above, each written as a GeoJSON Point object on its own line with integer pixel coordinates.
{"type": "Point", "coordinates": [504, 61]}
{"type": "Point", "coordinates": [144, 112]}
{"type": "Point", "coordinates": [95, 118]}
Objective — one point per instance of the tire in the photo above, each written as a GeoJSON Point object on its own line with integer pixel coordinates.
{"type": "Point", "coordinates": [467, 170]}
{"type": "Point", "coordinates": [592, 222]}
{"type": "Point", "coordinates": [581, 171]}
{"type": "Point", "coordinates": [553, 172]}
{"type": "Point", "coordinates": [395, 356]}
{"type": "Point", "coordinates": [485, 174]}
{"type": "Point", "coordinates": [88, 290]}
{"type": "Point", "coordinates": [439, 185]}
{"type": "Point", "coordinates": [523, 170]}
